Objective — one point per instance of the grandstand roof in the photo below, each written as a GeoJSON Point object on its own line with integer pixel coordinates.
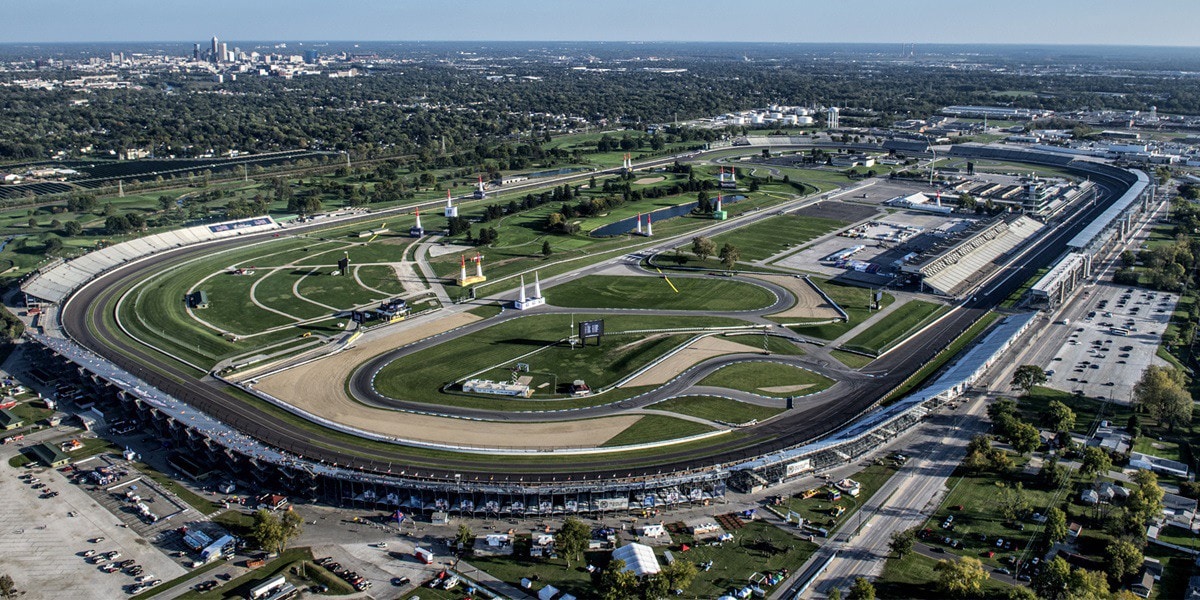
{"type": "Point", "coordinates": [1061, 269]}
{"type": "Point", "coordinates": [1084, 238]}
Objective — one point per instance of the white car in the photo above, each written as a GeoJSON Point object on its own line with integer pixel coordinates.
{"type": "Point", "coordinates": [144, 578]}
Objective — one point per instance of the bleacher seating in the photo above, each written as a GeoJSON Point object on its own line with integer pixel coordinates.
{"type": "Point", "coordinates": [949, 272]}
{"type": "Point", "coordinates": [57, 281]}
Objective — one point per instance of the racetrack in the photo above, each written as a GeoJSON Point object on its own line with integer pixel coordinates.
{"type": "Point", "coordinates": [87, 318]}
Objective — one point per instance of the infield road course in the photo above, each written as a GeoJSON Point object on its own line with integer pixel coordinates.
{"type": "Point", "coordinates": [83, 319]}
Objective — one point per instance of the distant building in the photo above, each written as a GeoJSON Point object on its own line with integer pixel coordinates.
{"type": "Point", "coordinates": [832, 118]}
{"type": "Point", "coordinates": [198, 299]}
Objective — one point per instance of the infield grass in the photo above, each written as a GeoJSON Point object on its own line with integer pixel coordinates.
{"type": "Point", "coordinates": [768, 379]}
{"type": "Point", "coordinates": [717, 409]}
{"type": "Point", "coordinates": [660, 293]}
{"type": "Point", "coordinates": [766, 238]}
{"type": "Point", "coordinates": [896, 326]}
{"type": "Point", "coordinates": [656, 428]}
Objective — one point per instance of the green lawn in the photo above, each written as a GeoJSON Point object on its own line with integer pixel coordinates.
{"type": "Point", "coordinates": [656, 428]}
{"type": "Point", "coordinates": [717, 409]}
{"type": "Point", "coordinates": [661, 293]}
{"type": "Point", "coordinates": [1088, 411]}
{"type": "Point", "coordinates": [896, 326]}
{"type": "Point", "coordinates": [977, 493]}
{"type": "Point", "coordinates": [421, 375]}
{"type": "Point", "coordinates": [913, 577]}
{"type": "Point", "coordinates": [769, 237]}
{"type": "Point", "coordinates": [573, 579]}
{"type": "Point", "coordinates": [768, 379]}
{"type": "Point", "coordinates": [850, 359]}
{"type": "Point", "coordinates": [854, 300]}
{"type": "Point", "coordinates": [1160, 448]}
{"type": "Point", "coordinates": [816, 509]}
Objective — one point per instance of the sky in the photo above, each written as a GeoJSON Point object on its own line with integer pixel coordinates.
{"type": "Point", "coordinates": [1126, 22]}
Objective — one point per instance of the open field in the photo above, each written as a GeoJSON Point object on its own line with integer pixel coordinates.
{"type": "Point", "coordinates": [784, 380]}
{"type": "Point", "coordinates": [716, 409]}
{"type": "Point", "coordinates": [854, 300]}
{"type": "Point", "coordinates": [769, 237]}
{"type": "Point", "coordinates": [696, 352]}
{"type": "Point", "coordinates": [421, 375]}
{"type": "Point", "coordinates": [913, 577]}
{"type": "Point", "coordinates": [682, 293]}
{"type": "Point", "coordinates": [654, 428]}
{"type": "Point", "coordinates": [896, 326]}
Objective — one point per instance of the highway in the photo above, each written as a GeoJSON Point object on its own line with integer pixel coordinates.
{"type": "Point", "coordinates": [83, 317]}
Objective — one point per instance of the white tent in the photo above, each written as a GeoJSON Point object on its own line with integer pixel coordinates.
{"type": "Point", "coordinates": [547, 592]}
{"type": "Point", "coordinates": [638, 558]}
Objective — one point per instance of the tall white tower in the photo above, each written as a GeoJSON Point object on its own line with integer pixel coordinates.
{"type": "Point", "coordinates": [649, 227]}
{"type": "Point", "coordinates": [832, 117]}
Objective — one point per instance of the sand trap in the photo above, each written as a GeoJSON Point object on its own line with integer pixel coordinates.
{"type": "Point", "coordinates": [701, 350]}
{"type": "Point", "coordinates": [785, 389]}
{"type": "Point", "coordinates": [649, 180]}
{"type": "Point", "coordinates": [809, 304]}
{"type": "Point", "coordinates": [318, 388]}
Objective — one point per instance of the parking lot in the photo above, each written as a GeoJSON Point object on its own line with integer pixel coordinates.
{"type": "Point", "coordinates": [1112, 340]}
{"type": "Point", "coordinates": [44, 539]}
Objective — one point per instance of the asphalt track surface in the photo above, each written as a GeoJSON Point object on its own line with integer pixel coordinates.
{"type": "Point", "coordinates": [84, 314]}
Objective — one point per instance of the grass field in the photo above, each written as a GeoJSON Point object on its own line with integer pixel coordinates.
{"type": "Point", "coordinates": [716, 409]}
{"type": "Point", "coordinates": [1162, 449]}
{"type": "Point", "coordinates": [850, 359]}
{"type": "Point", "coordinates": [854, 300]}
{"type": "Point", "coordinates": [896, 326]}
{"type": "Point", "coordinates": [768, 379]}
{"type": "Point", "coordinates": [421, 375]}
{"type": "Point", "coordinates": [681, 293]}
{"type": "Point", "coordinates": [656, 428]}
{"type": "Point", "coordinates": [913, 577]}
{"type": "Point", "coordinates": [1088, 412]}
{"type": "Point", "coordinates": [816, 509]}
{"type": "Point", "coordinates": [769, 237]}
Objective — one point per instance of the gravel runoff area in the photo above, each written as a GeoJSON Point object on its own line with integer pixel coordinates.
{"type": "Point", "coordinates": [700, 350]}
{"type": "Point", "coordinates": [809, 304]}
{"type": "Point", "coordinates": [43, 545]}
{"type": "Point", "coordinates": [319, 389]}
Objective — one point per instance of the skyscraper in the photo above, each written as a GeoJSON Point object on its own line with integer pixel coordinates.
{"type": "Point", "coordinates": [216, 48]}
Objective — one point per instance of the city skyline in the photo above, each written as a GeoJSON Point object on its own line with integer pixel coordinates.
{"type": "Point", "coordinates": [1070, 22]}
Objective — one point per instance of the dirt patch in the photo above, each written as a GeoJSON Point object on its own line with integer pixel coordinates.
{"type": "Point", "coordinates": [809, 304]}
{"type": "Point", "coordinates": [319, 388]}
{"type": "Point", "coordinates": [649, 180]}
{"type": "Point", "coordinates": [436, 250]}
{"type": "Point", "coordinates": [785, 389]}
{"type": "Point", "coordinates": [701, 350]}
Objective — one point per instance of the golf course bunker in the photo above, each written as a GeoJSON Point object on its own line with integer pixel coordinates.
{"type": "Point", "coordinates": [698, 351]}
{"type": "Point", "coordinates": [809, 304]}
{"type": "Point", "coordinates": [649, 180]}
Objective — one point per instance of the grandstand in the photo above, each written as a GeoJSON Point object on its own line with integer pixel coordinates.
{"type": "Point", "coordinates": [1066, 275]}
{"type": "Point", "coordinates": [874, 428]}
{"type": "Point", "coordinates": [56, 281]}
{"type": "Point", "coordinates": [950, 270]}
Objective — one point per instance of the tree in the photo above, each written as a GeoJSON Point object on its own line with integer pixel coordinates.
{"type": "Point", "coordinates": [1024, 437]}
{"type": "Point", "coordinates": [1013, 501]}
{"type": "Point", "coordinates": [861, 589]}
{"type": "Point", "coordinates": [615, 583]}
{"type": "Point", "coordinates": [546, 251]}
{"type": "Point", "coordinates": [678, 575]}
{"type": "Point", "coordinates": [1053, 475]}
{"type": "Point", "coordinates": [703, 247]}
{"type": "Point", "coordinates": [1027, 376]}
{"type": "Point", "coordinates": [902, 541]}
{"type": "Point", "coordinates": [53, 244]}
{"type": "Point", "coordinates": [834, 594]}
{"type": "Point", "coordinates": [465, 538]}
{"type": "Point", "coordinates": [1095, 461]}
{"type": "Point", "coordinates": [1056, 525]}
{"type": "Point", "coordinates": [730, 255]}
{"type": "Point", "coordinates": [962, 577]}
{"type": "Point", "coordinates": [1021, 592]}
{"type": "Point", "coordinates": [572, 539]}
{"type": "Point", "coordinates": [72, 228]}
{"type": "Point", "coordinates": [8, 588]}
{"type": "Point", "coordinates": [1123, 558]}
{"type": "Point", "coordinates": [1145, 502]}
{"type": "Point", "coordinates": [1161, 392]}
{"type": "Point", "coordinates": [1058, 417]}
{"type": "Point", "coordinates": [966, 202]}
{"type": "Point", "coordinates": [1051, 582]}
{"type": "Point", "coordinates": [1084, 584]}
{"type": "Point", "coordinates": [267, 531]}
